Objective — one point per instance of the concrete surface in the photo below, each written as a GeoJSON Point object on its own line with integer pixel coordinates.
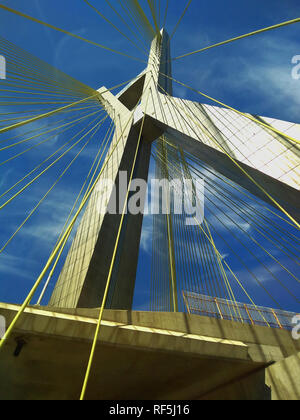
{"type": "Point", "coordinates": [202, 130]}
{"type": "Point", "coordinates": [283, 378]}
{"type": "Point", "coordinates": [140, 355]}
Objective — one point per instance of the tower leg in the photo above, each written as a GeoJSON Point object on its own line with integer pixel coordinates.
{"type": "Point", "coordinates": [84, 275]}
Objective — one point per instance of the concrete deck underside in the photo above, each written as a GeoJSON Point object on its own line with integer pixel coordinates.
{"type": "Point", "coordinates": [141, 355]}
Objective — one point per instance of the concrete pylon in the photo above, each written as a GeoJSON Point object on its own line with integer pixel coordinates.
{"type": "Point", "coordinates": [84, 275]}
{"type": "Point", "coordinates": [211, 133]}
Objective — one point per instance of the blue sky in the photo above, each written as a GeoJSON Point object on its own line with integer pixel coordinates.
{"type": "Point", "coordinates": [253, 75]}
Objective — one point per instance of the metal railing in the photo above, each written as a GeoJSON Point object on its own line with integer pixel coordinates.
{"type": "Point", "coordinates": [235, 311]}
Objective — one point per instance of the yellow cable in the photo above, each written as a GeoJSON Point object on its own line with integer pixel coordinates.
{"type": "Point", "coordinates": [288, 271]}
{"type": "Point", "coordinates": [277, 261]}
{"type": "Point", "coordinates": [54, 253]}
{"type": "Point", "coordinates": [172, 264]}
{"type": "Point", "coordinates": [280, 25]}
{"type": "Point", "coordinates": [53, 269]}
{"type": "Point", "coordinates": [181, 17]}
{"type": "Point", "coordinates": [46, 132]}
{"type": "Point", "coordinates": [166, 13]}
{"type": "Point", "coordinates": [46, 169]}
{"type": "Point", "coordinates": [143, 18]}
{"type": "Point", "coordinates": [88, 371]}
{"type": "Point", "coordinates": [159, 13]}
{"type": "Point", "coordinates": [55, 111]}
{"type": "Point", "coordinates": [127, 25]}
{"type": "Point", "coordinates": [54, 92]}
{"type": "Point", "coordinates": [40, 93]}
{"type": "Point", "coordinates": [31, 114]}
{"type": "Point", "coordinates": [38, 144]}
{"type": "Point", "coordinates": [48, 114]}
{"type": "Point", "coordinates": [249, 196]}
{"type": "Point", "coordinates": [38, 166]}
{"type": "Point", "coordinates": [108, 137]}
{"type": "Point", "coordinates": [240, 167]}
{"type": "Point", "coordinates": [114, 26]}
{"type": "Point", "coordinates": [48, 192]}
{"type": "Point", "coordinates": [225, 278]}
{"type": "Point", "coordinates": [44, 126]}
{"type": "Point", "coordinates": [269, 127]}
{"type": "Point", "coordinates": [33, 62]}
{"type": "Point", "coordinates": [103, 145]}
{"type": "Point", "coordinates": [150, 3]}
{"type": "Point", "coordinates": [219, 261]}
{"type": "Point", "coordinates": [132, 18]}
{"type": "Point", "coordinates": [16, 12]}
{"type": "Point", "coordinates": [217, 252]}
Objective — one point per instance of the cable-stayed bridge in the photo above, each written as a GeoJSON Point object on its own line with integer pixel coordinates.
{"type": "Point", "coordinates": [206, 331]}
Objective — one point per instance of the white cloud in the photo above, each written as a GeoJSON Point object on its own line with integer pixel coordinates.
{"type": "Point", "coordinates": [146, 237]}
{"type": "Point", "coordinates": [13, 265]}
{"type": "Point", "coordinates": [261, 72]}
{"type": "Point", "coordinates": [45, 225]}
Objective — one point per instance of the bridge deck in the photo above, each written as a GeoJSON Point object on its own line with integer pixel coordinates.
{"type": "Point", "coordinates": [141, 355]}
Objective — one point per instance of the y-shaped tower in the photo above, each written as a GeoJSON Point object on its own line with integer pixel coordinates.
{"type": "Point", "coordinates": [212, 133]}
